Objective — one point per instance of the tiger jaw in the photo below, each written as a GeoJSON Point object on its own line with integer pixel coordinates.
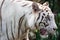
{"type": "Point", "coordinates": [43, 33]}
{"type": "Point", "coordinates": [46, 33]}
{"type": "Point", "coordinates": [44, 36]}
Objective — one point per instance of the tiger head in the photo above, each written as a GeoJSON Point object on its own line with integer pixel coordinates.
{"type": "Point", "coordinates": [43, 18]}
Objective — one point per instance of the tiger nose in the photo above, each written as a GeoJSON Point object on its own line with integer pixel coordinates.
{"type": "Point", "coordinates": [54, 28]}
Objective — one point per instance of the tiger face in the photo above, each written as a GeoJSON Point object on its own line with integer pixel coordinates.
{"type": "Point", "coordinates": [43, 18]}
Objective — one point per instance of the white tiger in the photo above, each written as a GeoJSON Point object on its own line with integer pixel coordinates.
{"type": "Point", "coordinates": [21, 16]}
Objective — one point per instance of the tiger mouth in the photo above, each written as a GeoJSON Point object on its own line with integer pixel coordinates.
{"type": "Point", "coordinates": [43, 31]}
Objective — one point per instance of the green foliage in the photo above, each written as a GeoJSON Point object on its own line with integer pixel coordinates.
{"type": "Point", "coordinates": [37, 34]}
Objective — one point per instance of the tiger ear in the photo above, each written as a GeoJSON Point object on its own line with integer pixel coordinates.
{"type": "Point", "coordinates": [35, 7]}
{"type": "Point", "coordinates": [46, 4]}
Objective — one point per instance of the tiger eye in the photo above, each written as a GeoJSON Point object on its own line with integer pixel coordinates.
{"type": "Point", "coordinates": [46, 25]}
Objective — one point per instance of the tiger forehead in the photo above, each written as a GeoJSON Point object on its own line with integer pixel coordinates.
{"type": "Point", "coordinates": [44, 8]}
{"type": "Point", "coordinates": [45, 12]}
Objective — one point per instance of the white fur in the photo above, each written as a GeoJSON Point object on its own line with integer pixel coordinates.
{"type": "Point", "coordinates": [31, 20]}
{"type": "Point", "coordinates": [12, 11]}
